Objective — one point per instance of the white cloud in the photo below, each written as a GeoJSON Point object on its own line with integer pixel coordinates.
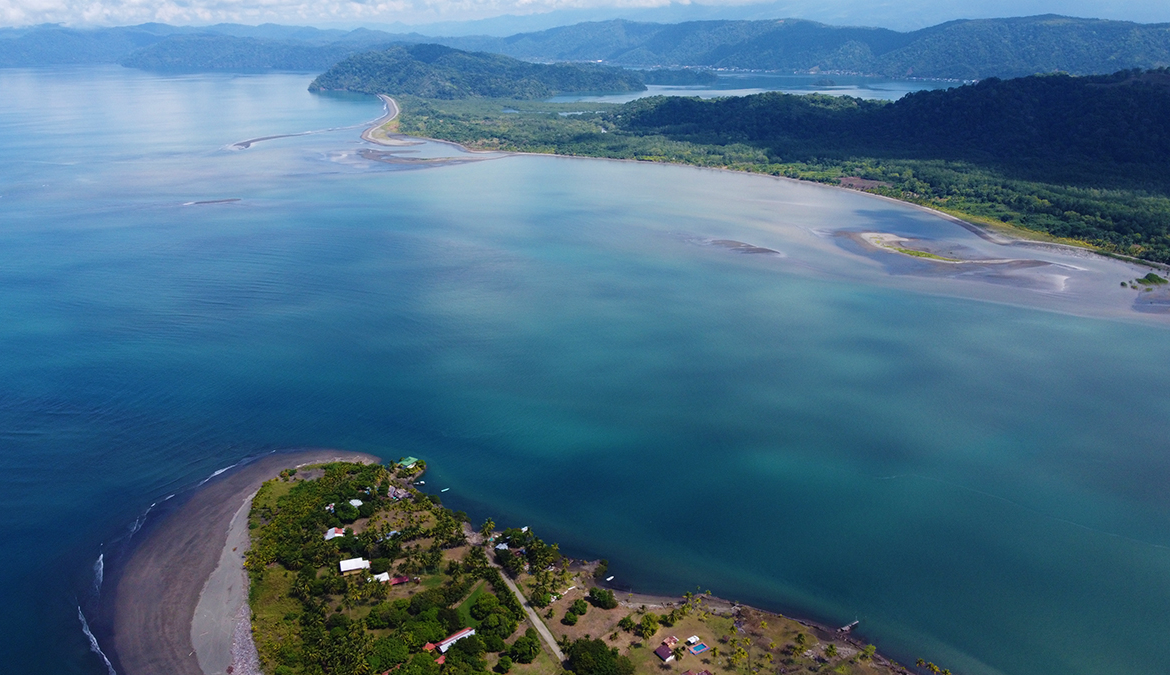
{"type": "Point", "coordinates": [892, 13]}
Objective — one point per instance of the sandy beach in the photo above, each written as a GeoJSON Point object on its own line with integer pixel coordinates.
{"type": "Point", "coordinates": [181, 599]}
{"type": "Point", "coordinates": [378, 133]}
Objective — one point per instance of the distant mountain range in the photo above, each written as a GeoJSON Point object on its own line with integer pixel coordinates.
{"type": "Point", "coordinates": [972, 49]}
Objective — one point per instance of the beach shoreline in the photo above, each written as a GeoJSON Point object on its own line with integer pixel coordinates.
{"type": "Point", "coordinates": [1004, 236]}
{"type": "Point", "coordinates": [188, 558]}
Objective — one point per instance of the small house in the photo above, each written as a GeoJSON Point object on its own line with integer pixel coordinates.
{"type": "Point", "coordinates": [408, 462]}
{"type": "Point", "coordinates": [670, 641]}
{"type": "Point", "coordinates": [384, 577]}
{"type": "Point", "coordinates": [334, 532]}
{"type": "Point", "coordinates": [355, 503]}
{"type": "Point", "coordinates": [501, 547]}
{"type": "Point", "coordinates": [663, 652]}
{"type": "Point", "coordinates": [399, 580]}
{"type": "Point", "coordinates": [693, 640]}
{"type": "Point", "coordinates": [354, 565]}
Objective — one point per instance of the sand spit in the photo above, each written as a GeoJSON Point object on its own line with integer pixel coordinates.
{"type": "Point", "coordinates": [187, 564]}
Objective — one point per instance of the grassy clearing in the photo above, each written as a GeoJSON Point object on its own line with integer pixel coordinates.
{"type": "Point", "coordinates": [464, 607]}
{"type": "Point", "coordinates": [274, 616]}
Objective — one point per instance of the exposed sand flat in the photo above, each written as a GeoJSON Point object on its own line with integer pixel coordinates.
{"type": "Point", "coordinates": [224, 596]}
{"type": "Point", "coordinates": [176, 565]}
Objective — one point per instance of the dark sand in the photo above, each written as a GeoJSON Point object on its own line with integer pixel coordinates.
{"type": "Point", "coordinates": [159, 588]}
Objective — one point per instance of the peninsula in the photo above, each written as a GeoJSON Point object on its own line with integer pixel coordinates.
{"type": "Point", "coordinates": [351, 569]}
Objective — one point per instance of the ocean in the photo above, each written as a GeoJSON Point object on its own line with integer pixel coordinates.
{"type": "Point", "coordinates": [972, 466]}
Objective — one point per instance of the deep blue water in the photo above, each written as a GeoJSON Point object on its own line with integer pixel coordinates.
{"type": "Point", "coordinates": [982, 484]}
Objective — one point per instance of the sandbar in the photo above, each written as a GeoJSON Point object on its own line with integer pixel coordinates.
{"type": "Point", "coordinates": [160, 587]}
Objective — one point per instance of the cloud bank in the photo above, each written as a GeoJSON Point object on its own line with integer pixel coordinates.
{"type": "Point", "coordinates": [890, 13]}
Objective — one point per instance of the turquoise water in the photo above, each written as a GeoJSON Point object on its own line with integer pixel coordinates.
{"type": "Point", "coordinates": [978, 479]}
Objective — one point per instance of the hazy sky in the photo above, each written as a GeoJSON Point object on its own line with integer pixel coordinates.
{"type": "Point", "coordinates": [890, 13]}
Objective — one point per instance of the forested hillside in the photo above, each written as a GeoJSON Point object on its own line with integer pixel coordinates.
{"type": "Point", "coordinates": [958, 49]}
{"type": "Point", "coordinates": [1082, 158]}
{"type": "Point", "coordinates": [435, 71]}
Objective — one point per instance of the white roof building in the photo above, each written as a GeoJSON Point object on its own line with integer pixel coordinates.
{"type": "Point", "coordinates": [384, 577]}
{"type": "Point", "coordinates": [354, 564]}
{"type": "Point", "coordinates": [355, 503]}
{"type": "Point", "coordinates": [446, 644]}
{"type": "Point", "coordinates": [334, 532]}
{"type": "Point", "coordinates": [501, 547]}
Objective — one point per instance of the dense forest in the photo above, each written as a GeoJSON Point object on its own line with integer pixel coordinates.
{"type": "Point", "coordinates": [1080, 158]}
{"type": "Point", "coordinates": [435, 71]}
{"type": "Point", "coordinates": [958, 49]}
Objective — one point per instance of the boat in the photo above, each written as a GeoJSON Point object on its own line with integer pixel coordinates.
{"type": "Point", "coordinates": [444, 489]}
{"type": "Point", "coordinates": [609, 578]}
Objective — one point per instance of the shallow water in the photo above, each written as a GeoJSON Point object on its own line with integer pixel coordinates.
{"type": "Point", "coordinates": [741, 84]}
{"type": "Point", "coordinates": [956, 459]}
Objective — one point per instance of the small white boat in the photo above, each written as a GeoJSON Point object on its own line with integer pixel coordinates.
{"type": "Point", "coordinates": [421, 482]}
{"type": "Point", "coordinates": [609, 578]}
{"type": "Point", "coordinates": [444, 489]}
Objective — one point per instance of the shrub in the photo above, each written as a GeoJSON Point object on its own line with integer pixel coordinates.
{"type": "Point", "coordinates": [594, 657]}
{"type": "Point", "coordinates": [602, 598]}
{"type": "Point", "coordinates": [504, 664]}
{"type": "Point", "coordinates": [570, 619]}
{"type": "Point", "coordinates": [580, 606]}
{"type": "Point", "coordinates": [525, 649]}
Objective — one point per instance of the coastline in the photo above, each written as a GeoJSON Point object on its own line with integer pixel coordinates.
{"type": "Point", "coordinates": [1006, 236]}
{"type": "Point", "coordinates": [164, 579]}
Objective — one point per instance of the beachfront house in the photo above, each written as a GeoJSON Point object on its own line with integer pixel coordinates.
{"type": "Point", "coordinates": [408, 462]}
{"type": "Point", "coordinates": [334, 532]}
{"type": "Point", "coordinates": [354, 565]}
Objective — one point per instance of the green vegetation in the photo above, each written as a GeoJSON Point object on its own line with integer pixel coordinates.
{"type": "Point", "coordinates": [439, 72]}
{"type": "Point", "coordinates": [602, 598]}
{"type": "Point", "coordinates": [309, 618]}
{"type": "Point", "coordinates": [958, 49]}
{"type": "Point", "coordinates": [1071, 158]}
{"type": "Point", "coordinates": [982, 48]}
{"type": "Point", "coordinates": [594, 657]}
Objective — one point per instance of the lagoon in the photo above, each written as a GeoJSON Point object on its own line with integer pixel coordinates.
{"type": "Point", "coordinates": [972, 465]}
